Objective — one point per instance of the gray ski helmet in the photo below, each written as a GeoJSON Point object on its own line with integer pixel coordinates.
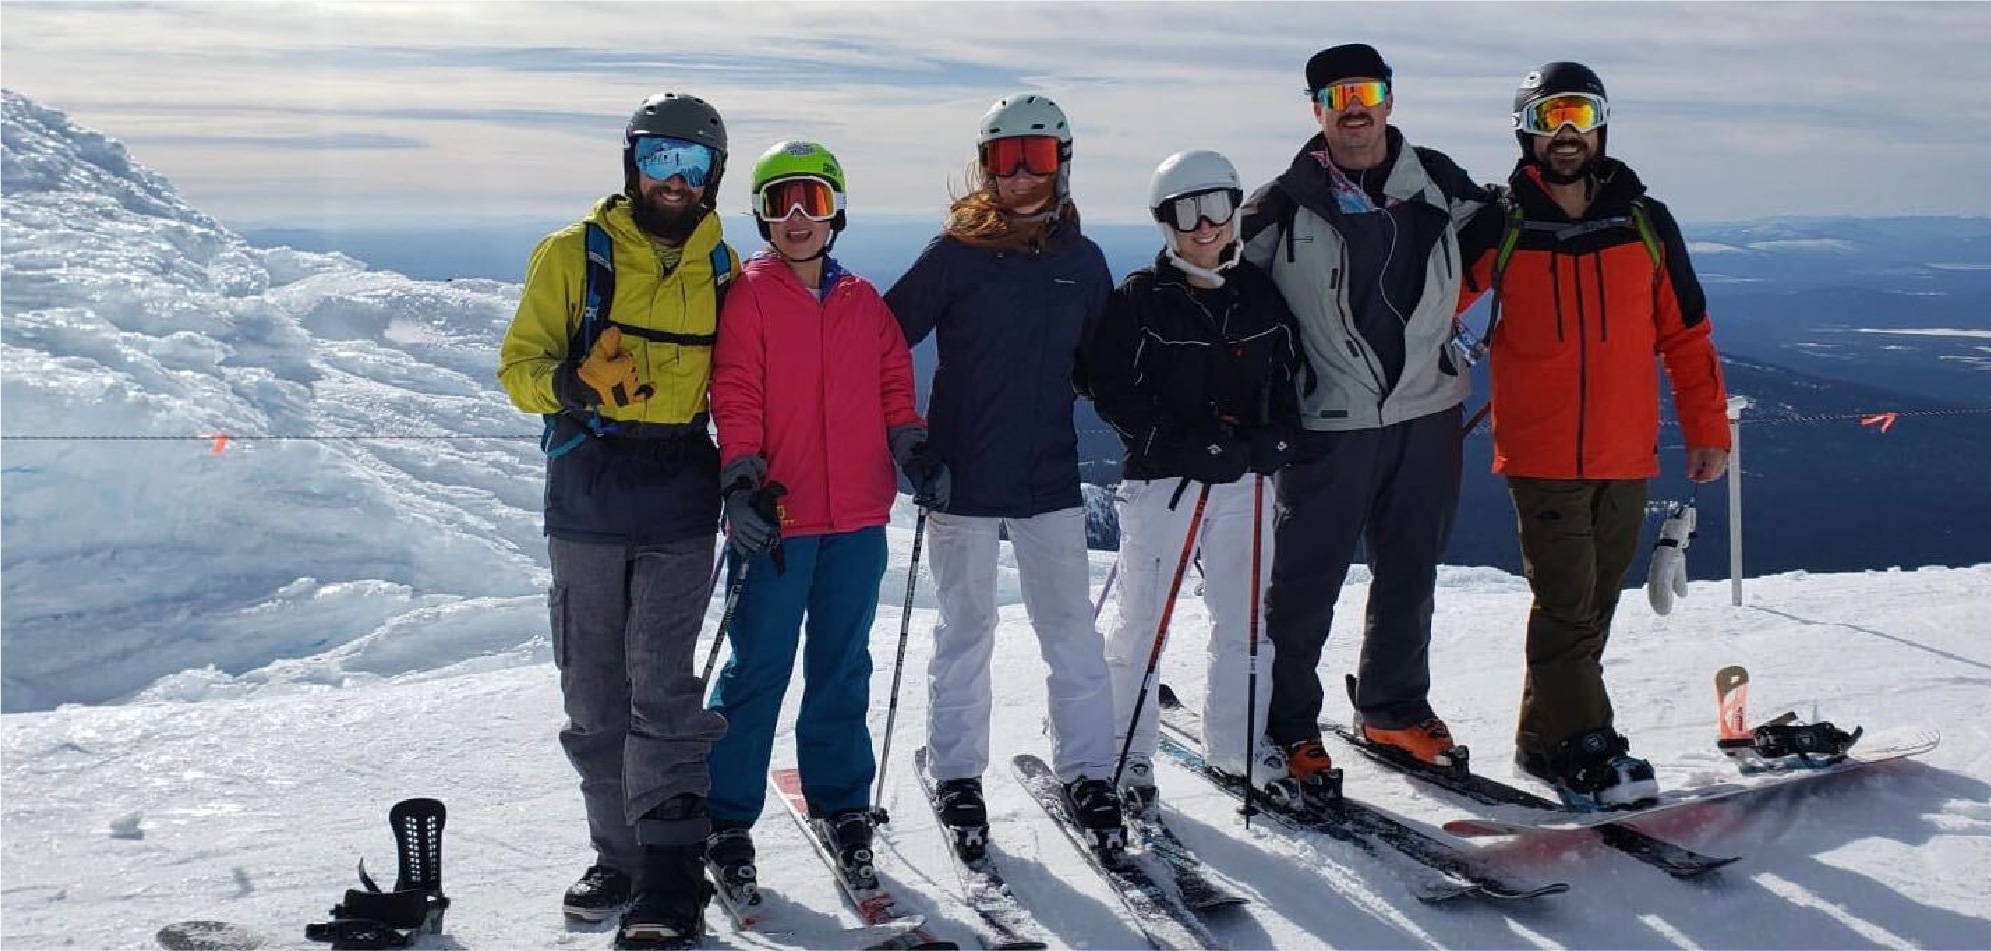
{"type": "Point", "coordinates": [1550, 79]}
{"type": "Point", "coordinates": [1027, 113]}
{"type": "Point", "coordinates": [1024, 114]}
{"type": "Point", "coordinates": [679, 116]}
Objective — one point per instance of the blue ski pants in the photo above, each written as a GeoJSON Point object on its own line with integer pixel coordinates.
{"type": "Point", "coordinates": [833, 581]}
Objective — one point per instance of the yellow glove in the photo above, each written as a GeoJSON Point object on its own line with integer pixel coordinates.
{"type": "Point", "coordinates": [610, 371]}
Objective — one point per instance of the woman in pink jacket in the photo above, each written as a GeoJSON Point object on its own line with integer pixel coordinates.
{"type": "Point", "coordinates": [812, 390]}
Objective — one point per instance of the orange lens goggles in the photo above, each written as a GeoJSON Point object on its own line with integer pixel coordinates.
{"type": "Point", "coordinates": [813, 197]}
{"type": "Point", "coordinates": [1547, 115]}
{"type": "Point", "coordinates": [1342, 95]}
{"type": "Point", "coordinates": [1036, 154]}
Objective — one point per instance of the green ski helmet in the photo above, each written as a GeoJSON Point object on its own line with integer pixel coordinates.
{"type": "Point", "coordinates": [795, 158]}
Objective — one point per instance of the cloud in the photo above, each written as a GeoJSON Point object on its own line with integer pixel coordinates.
{"type": "Point", "coordinates": [330, 141]}
{"type": "Point", "coordinates": [1729, 110]}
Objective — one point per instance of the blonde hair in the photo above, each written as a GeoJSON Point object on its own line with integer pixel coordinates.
{"type": "Point", "coordinates": [979, 218]}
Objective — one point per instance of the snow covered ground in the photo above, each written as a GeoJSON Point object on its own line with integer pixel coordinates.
{"type": "Point", "coordinates": [285, 639]}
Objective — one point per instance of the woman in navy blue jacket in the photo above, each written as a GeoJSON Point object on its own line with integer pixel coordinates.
{"type": "Point", "coordinates": [1012, 288]}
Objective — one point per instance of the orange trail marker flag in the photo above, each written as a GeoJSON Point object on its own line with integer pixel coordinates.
{"type": "Point", "coordinates": [220, 443]}
{"type": "Point", "coordinates": [1884, 420]}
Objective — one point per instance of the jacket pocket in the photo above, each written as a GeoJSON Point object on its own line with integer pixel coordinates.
{"type": "Point", "coordinates": [556, 604]}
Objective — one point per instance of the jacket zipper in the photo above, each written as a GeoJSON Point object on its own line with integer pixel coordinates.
{"type": "Point", "coordinates": [1582, 366]}
{"type": "Point", "coordinates": [1348, 324]}
{"type": "Point", "coordinates": [1603, 302]}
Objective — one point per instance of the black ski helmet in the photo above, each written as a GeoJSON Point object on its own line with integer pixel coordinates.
{"type": "Point", "coordinates": [682, 117]}
{"type": "Point", "coordinates": [1549, 79]}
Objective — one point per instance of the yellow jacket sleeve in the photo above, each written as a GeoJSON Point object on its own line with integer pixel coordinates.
{"type": "Point", "coordinates": [548, 309]}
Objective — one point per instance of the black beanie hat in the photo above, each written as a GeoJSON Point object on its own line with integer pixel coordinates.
{"type": "Point", "coordinates": [1340, 62]}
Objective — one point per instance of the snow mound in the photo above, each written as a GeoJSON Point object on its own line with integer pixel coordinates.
{"type": "Point", "coordinates": [129, 313]}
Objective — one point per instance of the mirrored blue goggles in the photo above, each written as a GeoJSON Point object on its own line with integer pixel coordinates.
{"type": "Point", "coordinates": [662, 156]}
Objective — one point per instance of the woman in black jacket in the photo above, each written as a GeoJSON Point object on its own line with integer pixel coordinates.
{"type": "Point", "coordinates": [1194, 364]}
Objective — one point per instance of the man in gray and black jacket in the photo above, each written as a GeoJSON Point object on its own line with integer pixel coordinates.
{"type": "Point", "coordinates": [1360, 234]}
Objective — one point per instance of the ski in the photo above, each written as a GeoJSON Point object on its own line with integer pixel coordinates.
{"type": "Point", "coordinates": [1448, 872]}
{"type": "Point", "coordinates": [874, 904]}
{"type": "Point", "coordinates": [1166, 923]}
{"type": "Point", "coordinates": [1671, 858]}
{"type": "Point", "coordinates": [1006, 924]}
{"type": "Point", "coordinates": [1192, 879]}
{"type": "Point", "coordinates": [1744, 747]}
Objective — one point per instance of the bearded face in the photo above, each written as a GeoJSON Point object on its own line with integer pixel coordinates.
{"type": "Point", "coordinates": [669, 210]}
{"type": "Point", "coordinates": [1568, 155]}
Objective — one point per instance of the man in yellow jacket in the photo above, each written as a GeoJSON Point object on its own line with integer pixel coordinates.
{"type": "Point", "coordinates": [612, 343]}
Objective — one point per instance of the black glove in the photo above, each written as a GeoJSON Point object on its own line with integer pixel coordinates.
{"type": "Point", "coordinates": [1272, 447]}
{"type": "Point", "coordinates": [933, 485]}
{"type": "Point", "coordinates": [752, 515]}
{"type": "Point", "coordinates": [1215, 457]}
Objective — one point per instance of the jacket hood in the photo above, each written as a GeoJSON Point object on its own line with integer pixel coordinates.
{"type": "Point", "coordinates": [768, 264]}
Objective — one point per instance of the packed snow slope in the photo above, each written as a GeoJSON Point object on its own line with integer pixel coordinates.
{"type": "Point", "coordinates": [304, 632]}
{"type": "Point", "coordinates": [254, 809]}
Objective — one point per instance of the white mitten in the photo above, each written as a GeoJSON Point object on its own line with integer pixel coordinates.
{"type": "Point", "coordinates": [1667, 578]}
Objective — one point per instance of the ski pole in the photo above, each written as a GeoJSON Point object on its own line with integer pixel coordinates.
{"type": "Point", "coordinates": [878, 813]}
{"type": "Point", "coordinates": [1161, 629]}
{"type": "Point", "coordinates": [1251, 679]}
{"type": "Point", "coordinates": [1111, 573]}
{"type": "Point", "coordinates": [725, 621]}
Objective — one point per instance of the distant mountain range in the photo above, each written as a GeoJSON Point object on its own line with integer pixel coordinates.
{"type": "Point", "coordinates": [1813, 316]}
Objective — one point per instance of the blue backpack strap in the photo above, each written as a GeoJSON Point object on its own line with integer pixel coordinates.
{"type": "Point", "coordinates": [722, 277]}
{"type": "Point", "coordinates": [598, 298]}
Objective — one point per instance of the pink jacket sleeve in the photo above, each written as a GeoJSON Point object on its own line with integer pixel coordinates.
{"type": "Point", "coordinates": [895, 390]}
{"type": "Point", "coordinates": [739, 375]}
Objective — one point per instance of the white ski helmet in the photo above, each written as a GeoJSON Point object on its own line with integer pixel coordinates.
{"type": "Point", "coordinates": [1189, 173]}
{"type": "Point", "coordinates": [1186, 173]}
{"type": "Point", "coordinates": [1024, 114]}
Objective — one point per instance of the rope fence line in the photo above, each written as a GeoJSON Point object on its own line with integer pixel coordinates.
{"type": "Point", "coordinates": [306, 437]}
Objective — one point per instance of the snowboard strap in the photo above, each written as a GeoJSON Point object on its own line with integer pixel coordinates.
{"type": "Point", "coordinates": [1812, 744]}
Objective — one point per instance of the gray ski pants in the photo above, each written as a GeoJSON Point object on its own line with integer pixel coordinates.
{"type": "Point", "coordinates": [625, 624]}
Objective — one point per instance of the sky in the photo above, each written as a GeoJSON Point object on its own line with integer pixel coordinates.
{"type": "Point", "coordinates": [440, 113]}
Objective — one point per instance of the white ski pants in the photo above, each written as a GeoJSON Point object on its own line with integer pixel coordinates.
{"type": "Point", "coordinates": [1051, 562]}
{"type": "Point", "coordinates": [1151, 540]}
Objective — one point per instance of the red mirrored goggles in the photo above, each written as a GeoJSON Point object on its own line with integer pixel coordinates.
{"type": "Point", "coordinates": [1036, 154]}
{"type": "Point", "coordinates": [816, 199]}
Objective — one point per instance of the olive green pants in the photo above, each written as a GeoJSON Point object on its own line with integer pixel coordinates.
{"type": "Point", "coordinates": [1578, 537]}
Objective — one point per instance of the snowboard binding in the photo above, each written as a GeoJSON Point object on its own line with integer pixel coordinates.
{"type": "Point", "coordinates": [1784, 740]}
{"type": "Point", "coordinates": [371, 918]}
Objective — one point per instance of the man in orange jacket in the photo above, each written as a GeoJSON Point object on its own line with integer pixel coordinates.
{"type": "Point", "coordinates": [1591, 280]}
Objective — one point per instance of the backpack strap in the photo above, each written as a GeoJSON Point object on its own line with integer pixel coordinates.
{"type": "Point", "coordinates": [722, 277]}
{"type": "Point", "coordinates": [597, 299]}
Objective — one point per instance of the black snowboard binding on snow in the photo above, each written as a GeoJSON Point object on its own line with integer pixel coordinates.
{"type": "Point", "coordinates": [377, 919]}
{"type": "Point", "coordinates": [1784, 740]}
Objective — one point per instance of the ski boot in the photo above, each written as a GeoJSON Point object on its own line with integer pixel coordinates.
{"type": "Point", "coordinates": [1785, 742]}
{"type": "Point", "coordinates": [729, 859]}
{"type": "Point", "coordinates": [601, 892]}
{"type": "Point", "coordinates": [1138, 796]}
{"type": "Point", "coordinates": [849, 833]}
{"type": "Point", "coordinates": [669, 913]}
{"type": "Point", "coordinates": [1095, 807]}
{"type": "Point", "coordinates": [965, 816]}
{"type": "Point", "coordinates": [1427, 741]}
{"type": "Point", "coordinates": [1311, 783]}
{"type": "Point", "coordinates": [1595, 770]}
